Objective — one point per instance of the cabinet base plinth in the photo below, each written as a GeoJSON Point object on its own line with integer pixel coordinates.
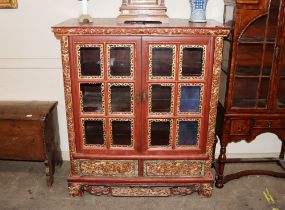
{"type": "Point", "coordinates": [78, 189]}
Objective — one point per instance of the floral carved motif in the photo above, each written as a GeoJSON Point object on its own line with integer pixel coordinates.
{"type": "Point", "coordinates": [185, 190]}
{"type": "Point", "coordinates": [204, 190]}
{"type": "Point", "coordinates": [68, 100]}
{"type": "Point", "coordinates": [96, 190]}
{"type": "Point", "coordinates": [75, 189]}
{"type": "Point", "coordinates": [141, 191]}
{"type": "Point", "coordinates": [138, 31]}
{"type": "Point", "coordinates": [176, 168]}
{"type": "Point", "coordinates": [108, 168]}
{"type": "Point", "coordinates": [214, 100]}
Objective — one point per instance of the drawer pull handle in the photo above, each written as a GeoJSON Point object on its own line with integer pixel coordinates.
{"type": "Point", "coordinates": [269, 124]}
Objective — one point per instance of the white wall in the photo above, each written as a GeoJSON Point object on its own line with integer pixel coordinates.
{"type": "Point", "coordinates": [30, 66]}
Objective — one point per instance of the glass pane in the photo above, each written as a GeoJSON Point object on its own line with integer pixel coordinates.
{"type": "Point", "coordinates": [281, 89]}
{"type": "Point", "coordinates": [161, 98]}
{"type": "Point", "coordinates": [160, 133]}
{"type": "Point", "coordinates": [249, 58]}
{"type": "Point", "coordinates": [268, 59]}
{"type": "Point", "coordinates": [162, 60]}
{"type": "Point", "coordinates": [192, 62]}
{"type": "Point", "coordinates": [272, 20]}
{"type": "Point", "coordinates": [188, 133]}
{"type": "Point", "coordinates": [90, 61]}
{"type": "Point", "coordinates": [94, 132]}
{"type": "Point", "coordinates": [281, 94]}
{"type": "Point", "coordinates": [245, 92]}
{"type": "Point", "coordinates": [120, 61]}
{"type": "Point", "coordinates": [121, 133]}
{"type": "Point", "coordinates": [256, 30]}
{"type": "Point", "coordinates": [190, 99]}
{"type": "Point", "coordinates": [91, 100]}
{"type": "Point", "coordinates": [264, 91]}
{"type": "Point", "coordinates": [121, 99]}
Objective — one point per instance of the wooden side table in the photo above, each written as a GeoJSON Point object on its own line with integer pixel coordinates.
{"type": "Point", "coordinates": [29, 131]}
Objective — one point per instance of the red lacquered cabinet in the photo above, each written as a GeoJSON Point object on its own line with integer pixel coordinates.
{"type": "Point", "coordinates": [141, 106]}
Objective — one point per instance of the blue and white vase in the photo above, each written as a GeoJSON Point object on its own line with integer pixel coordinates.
{"type": "Point", "coordinates": [198, 10]}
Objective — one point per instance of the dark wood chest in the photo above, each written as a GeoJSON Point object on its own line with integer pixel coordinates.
{"type": "Point", "coordinates": [29, 131]}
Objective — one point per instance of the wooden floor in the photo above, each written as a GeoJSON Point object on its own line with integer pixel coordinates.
{"type": "Point", "coordinates": [23, 187]}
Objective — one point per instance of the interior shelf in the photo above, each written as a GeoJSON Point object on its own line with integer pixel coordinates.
{"type": "Point", "coordinates": [256, 40]}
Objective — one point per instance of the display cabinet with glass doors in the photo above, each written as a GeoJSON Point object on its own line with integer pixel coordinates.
{"type": "Point", "coordinates": [251, 98]}
{"type": "Point", "coordinates": [141, 106]}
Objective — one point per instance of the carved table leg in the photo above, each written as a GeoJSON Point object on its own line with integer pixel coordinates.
{"type": "Point", "coordinates": [206, 190]}
{"type": "Point", "coordinates": [221, 166]}
{"type": "Point", "coordinates": [75, 189]}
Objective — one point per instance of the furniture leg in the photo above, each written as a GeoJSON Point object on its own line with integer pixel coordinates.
{"type": "Point", "coordinates": [49, 170]}
{"type": "Point", "coordinates": [221, 166]}
{"type": "Point", "coordinates": [58, 158]}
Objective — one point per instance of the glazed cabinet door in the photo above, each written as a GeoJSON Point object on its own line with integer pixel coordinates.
{"type": "Point", "coordinates": [255, 61]}
{"type": "Point", "coordinates": [174, 94]}
{"type": "Point", "coordinates": [280, 93]}
{"type": "Point", "coordinates": [281, 83]}
{"type": "Point", "coordinates": [106, 81]}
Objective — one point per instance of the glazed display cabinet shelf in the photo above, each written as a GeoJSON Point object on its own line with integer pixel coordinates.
{"type": "Point", "coordinates": [141, 105]}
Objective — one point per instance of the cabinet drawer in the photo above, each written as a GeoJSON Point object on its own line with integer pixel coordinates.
{"type": "Point", "coordinates": [240, 127]}
{"type": "Point", "coordinates": [267, 123]}
{"type": "Point", "coordinates": [174, 168]}
{"type": "Point", "coordinates": [107, 168]}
